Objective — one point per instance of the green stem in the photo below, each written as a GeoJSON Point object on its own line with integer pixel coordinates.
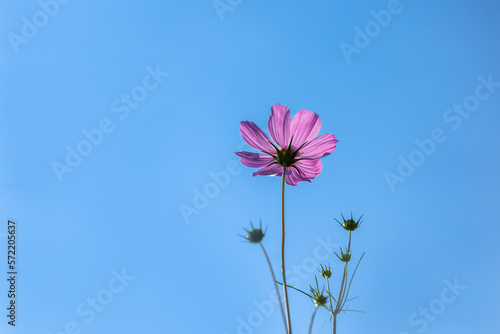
{"type": "Point", "coordinates": [312, 320]}
{"type": "Point", "coordinates": [330, 297]}
{"type": "Point", "coordinates": [343, 287]}
{"type": "Point", "coordinates": [337, 307]}
{"type": "Point", "coordinates": [345, 271]}
{"type": "Point", "coordinates": [335, 324]}
{"type": "Point", "coordinates": [275, 285]}
{"type": "Point", "coordinates": [349, 246]}
{"type": "Point", "coordinates": [283, 251]}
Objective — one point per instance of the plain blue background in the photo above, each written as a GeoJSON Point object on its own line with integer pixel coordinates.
{"type": "Point", "coordinates": [121, 207]}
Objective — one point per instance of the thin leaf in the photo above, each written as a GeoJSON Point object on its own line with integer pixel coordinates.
{"type": "Point", "coordinates": [292, 287]}
{"type": "Point", "coordinates": [354, 273]}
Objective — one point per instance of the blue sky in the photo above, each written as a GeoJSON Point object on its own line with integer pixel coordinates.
{"type": "Point", "coordinates": [117, 118]}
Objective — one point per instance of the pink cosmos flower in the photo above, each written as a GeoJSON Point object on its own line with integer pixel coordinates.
{"type": "Point", "coordinates": [295, 146]}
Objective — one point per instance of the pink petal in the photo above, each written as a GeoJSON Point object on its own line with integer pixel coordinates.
{"type": "Point", "coordinates": [279, 125]}
{"type": "Point", "coordinates": [251, 159]}
{"type": "Point", "coordinates": [305, 127]}
{"type": "Point", "coordinates": [255, 137]}
{"type": "Point", "coordinates": [292, 177]}
{"type": "Point", "coordinates": [309, 169]}
{"type": "Point", "coordinates": [273, 170]}
{"type": "Point", "coordinates": [318, 147]}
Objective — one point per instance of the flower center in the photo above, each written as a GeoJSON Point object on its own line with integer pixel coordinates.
{"type": "Point", "coordinates": [286, 157]}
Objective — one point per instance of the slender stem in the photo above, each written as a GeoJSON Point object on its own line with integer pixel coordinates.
{"type": "Point", "coordinates": [345, 272]}
{"type": "Point", "coordinates": [330, 297]}
{"type": "Point", "coordinates": [275, 285]}
{"type": "Point", "coordinates": [349, 246]}
{"type": "Point", "coordinates": [312, 320]}
{"type": "Point", "coordinates": [344, 289]}
{"type": "Point", "coordinates": [344, 276]}
{"type": "Point", "coordinates": [335, 324]}
{"type": "Point", "coordinates": [337, 308]}
{"type": "Point", "coordinates": [283, 251]}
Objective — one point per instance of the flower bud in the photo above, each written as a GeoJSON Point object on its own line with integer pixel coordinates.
{"type": "Point", "coordinates": [350, 224]}
{"type": "Point", "coordinates": [326, 272]}
{"type": "Point", "coordinates": [344, 257]}
{"type": "Point", "coordinates": [255, 235]}
{"type": "Point", "coordinates": [318, 297]}
{"type": "Point", "coordinates": [320, 300]}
